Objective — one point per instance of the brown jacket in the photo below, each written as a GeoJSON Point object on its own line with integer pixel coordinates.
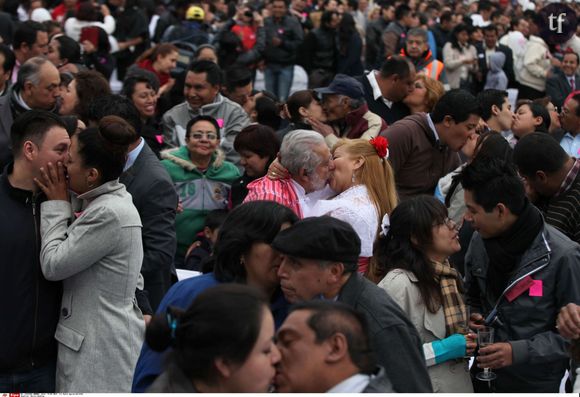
{"type": "Point", "coordinates": [418, 160]}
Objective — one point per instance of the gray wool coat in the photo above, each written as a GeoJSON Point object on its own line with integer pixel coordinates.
{"type": "Point", "coordinates": [98, 257]}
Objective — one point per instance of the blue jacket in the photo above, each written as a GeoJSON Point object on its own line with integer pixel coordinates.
{"type": "Point", "coordinates": [181, 295]}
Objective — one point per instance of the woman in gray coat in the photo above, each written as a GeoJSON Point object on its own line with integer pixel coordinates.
{"type": "Point", "coordinates": [97, 253]}
{"type": "Point", "coordinates": [413, 255]}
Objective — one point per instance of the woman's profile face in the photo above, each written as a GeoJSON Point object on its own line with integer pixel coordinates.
{"type": "Point", "coordinates": [524, 122]}
{"type": "Point", "coordinates": [54, 52]}
{"type": "Point", "coordinates": [76, 172]}
{"type": "Point", "coordinates": [69, 99]}
{"type": "Point", "coordinates": [262, 263]}
{"type": "Point", "coordinates": [168, 62]}
{"type": "Point", "coordinates": [445, 240]}
{"type": "Point", "coordinates": [202, 139]}
{"type": "Point", "coordinates": [462, 37]}
{"type": "Point", "coordinates": [417, 97]}
{"type": "Point", "coordinates": [315, 110]}
{"type": "Point", "coordinates": [256, 374]}
{"type": "Point", "coordinates": [345, 166]}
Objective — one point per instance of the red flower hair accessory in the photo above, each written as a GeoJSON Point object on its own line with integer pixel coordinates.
{"type": "Point", "coordinates": [381, 145]}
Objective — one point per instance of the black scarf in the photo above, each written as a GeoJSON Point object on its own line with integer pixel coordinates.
{"type": "Point", "coordinates": [505, 251]}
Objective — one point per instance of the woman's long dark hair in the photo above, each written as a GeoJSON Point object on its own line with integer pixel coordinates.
{"type": "Point", "coordinates": [346, 29]}
{"type": "Point", "coordinates": [406, 244]}
{"type": "Point", "coordinates": [252, 222]}
{"type": "Point", "coordinates": [453, 39]}
{"type": "Point", "coordinates": [222, 322]}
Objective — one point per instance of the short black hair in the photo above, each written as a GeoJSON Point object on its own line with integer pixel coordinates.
{"type": "Point", "coordinates": [447, 16]}
{"type": "Point", "coordinates": [539, 110]}
{"type": "Point", "coordinates": [402, 11]}
{"type": "Point", "coordinates": [268, 112]}
{"type": "Point", "coordinates": [458, 103]}
{"type": "Point", "coordinates": [490, 28]}
{"type": "Point", "coordinates": [329, 318]}
{"type": "Point", "coordinates": [140, 76]}
{"type": "Point", "coordinates": [396, 65]}
{"type": "Point", "coordinates": [259, 139]}
{"type": "Point", "coordinates": [237, 76]}
{"type": "Point", "coordinates": [488, 98]}
{"type": "Point", "coordinates": [484, 5]}
{"type": "Point", "coordinates": [32, 126]}
{"type": "Point", "coordinates": [212, 70]}
{"type": "Point", "coordinates": [326, 18]}
{"type": "Point", "coordinates": [115, 105]}
{"type": "Point", "coordinates": [539, 152]}
{"type": "Point", "coordinates": [199, 118]}
{"type": "Point", "coordinates": [26, 33]}
{"type": "Point", "coordinates": [494, 181]}
{"type": "Point", "coordinates": [214, 219]}
{"type": "Point", "coordinates": [69, 49]}
{"type": "Point", "coordinates": [9, 57]}
{"type": "Point", "coordinates": [255, 221]}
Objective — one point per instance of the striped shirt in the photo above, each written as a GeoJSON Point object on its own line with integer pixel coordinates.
{"type": "Point", "coordinates": [563, 210]}
{"type": "Point", "coordinates": [282, 191]}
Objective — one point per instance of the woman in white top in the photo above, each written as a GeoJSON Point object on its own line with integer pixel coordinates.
{"type": "Point", "coordinates": [460, 58]}
{"type": "Point", "coordinates": [87, 15]}
{"type": "Point", "coordinates": [365, 183]}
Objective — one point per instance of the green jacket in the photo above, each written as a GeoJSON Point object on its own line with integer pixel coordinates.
{"type": "Point", "coordinates": [199, 192]}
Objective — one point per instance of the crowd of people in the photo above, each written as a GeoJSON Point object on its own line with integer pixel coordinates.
{"type": "Point", "coordinates": [296, 197]}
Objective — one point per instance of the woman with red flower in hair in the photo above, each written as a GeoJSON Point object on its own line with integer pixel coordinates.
{"type": "Point", "coordinates": [365, 185]}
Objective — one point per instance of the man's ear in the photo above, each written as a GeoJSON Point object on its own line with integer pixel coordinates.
{"type": "Point", "coordinates": [541, 176]}
{"type": "Point", "coordinates": [337, 348]}
{"type": "Point", "coordinates": [495, 110]}
{"type": "Point", "coordinates": [29, 150]}
{"type": "Point", "coordinates": [447, 120]}
{"type": "Point", "coordinates": [336, 272]}
{"type": "Point", "coordinates": [223, 367]}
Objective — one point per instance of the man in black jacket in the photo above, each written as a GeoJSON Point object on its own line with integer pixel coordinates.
{"type": "Point", "coordinates": [28, 302]}
{"type": "Point", "coordinates": [283, 37]}
{"type": "Point", "coordinates": [490, 45]}
{"type": "Point", "coordinates": [519, 273]}
{"type": "Point", "coordinates": [320, 51]}
{"type": "Point", "coordinates": [154, 197]}
{"type": "Point", "coordinates": [386, 88]}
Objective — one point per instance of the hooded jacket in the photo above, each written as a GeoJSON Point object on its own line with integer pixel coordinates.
{"type": "Point", "coordinates": [229, 115]}
{"type": "Point", "coordinates": [431, 66]}
{"type": "Point", "coordinates": [199, 192]}
{"type": "Point", "coordinates": [528, 323]}
{"type": "Point", "coordinates": [496, 78]}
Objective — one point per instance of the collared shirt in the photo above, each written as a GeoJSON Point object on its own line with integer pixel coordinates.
{"type": "Point", "coordinates": [570, 178]}
{"type": "Point", "coordinates": [432, 126]}
{"type": "Point", "coordinates": [571, 144]}
{"type": "Point", "coordinates": [132, 156]}
{"type": "Point", "coordinates": [377, 90]}
{"type": "Point", "coordinates": [354, 384]}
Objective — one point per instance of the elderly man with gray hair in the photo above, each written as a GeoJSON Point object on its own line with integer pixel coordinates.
{"type": "Point", "coordinates": [346, 109]}
{"type": "Point", "coordinates": [307, 158]}
{"type": "Point", "coordinates": [37, 88]}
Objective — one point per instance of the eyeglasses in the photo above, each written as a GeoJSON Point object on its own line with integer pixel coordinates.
{"type": "Point", "coordinates": [197, 135]}
{"type": "Point", "coordinates": [451, 224]}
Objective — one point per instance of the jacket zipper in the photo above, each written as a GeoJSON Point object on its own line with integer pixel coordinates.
{"type": "Point", "coordinates": [494, 310]}
{"type": "Point", "coordinates": [36, 282]}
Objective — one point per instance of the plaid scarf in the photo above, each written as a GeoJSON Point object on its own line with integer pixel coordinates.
{"type": "Point", "coordinates": [451, 288]}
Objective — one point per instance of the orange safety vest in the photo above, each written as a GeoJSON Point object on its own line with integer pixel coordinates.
{"type": "Point", "coordinates": [434, 69]}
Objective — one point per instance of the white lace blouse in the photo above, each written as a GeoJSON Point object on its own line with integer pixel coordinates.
{"type": "Point", "coordinates": [355, 207]}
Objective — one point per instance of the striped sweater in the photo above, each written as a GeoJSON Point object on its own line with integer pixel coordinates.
{"type": "Point", "coordinates": [563, 211]}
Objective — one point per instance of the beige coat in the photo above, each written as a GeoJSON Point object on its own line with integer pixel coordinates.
{"type": "Point", "coordinates": [449, 376]}
{"type": "Point", "coordinates": [98, 258]}
{"type": "Point", "coordinates": [454, 66]}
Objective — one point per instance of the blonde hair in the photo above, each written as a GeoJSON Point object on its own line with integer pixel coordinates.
{"type": "Point", "coordinates": [375, 173]}
{"type": "Point", "coordinates": [435, 90]}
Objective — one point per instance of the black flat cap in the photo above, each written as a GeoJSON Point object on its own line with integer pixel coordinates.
{"type": "Point", "coordinates": [323, 238]}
